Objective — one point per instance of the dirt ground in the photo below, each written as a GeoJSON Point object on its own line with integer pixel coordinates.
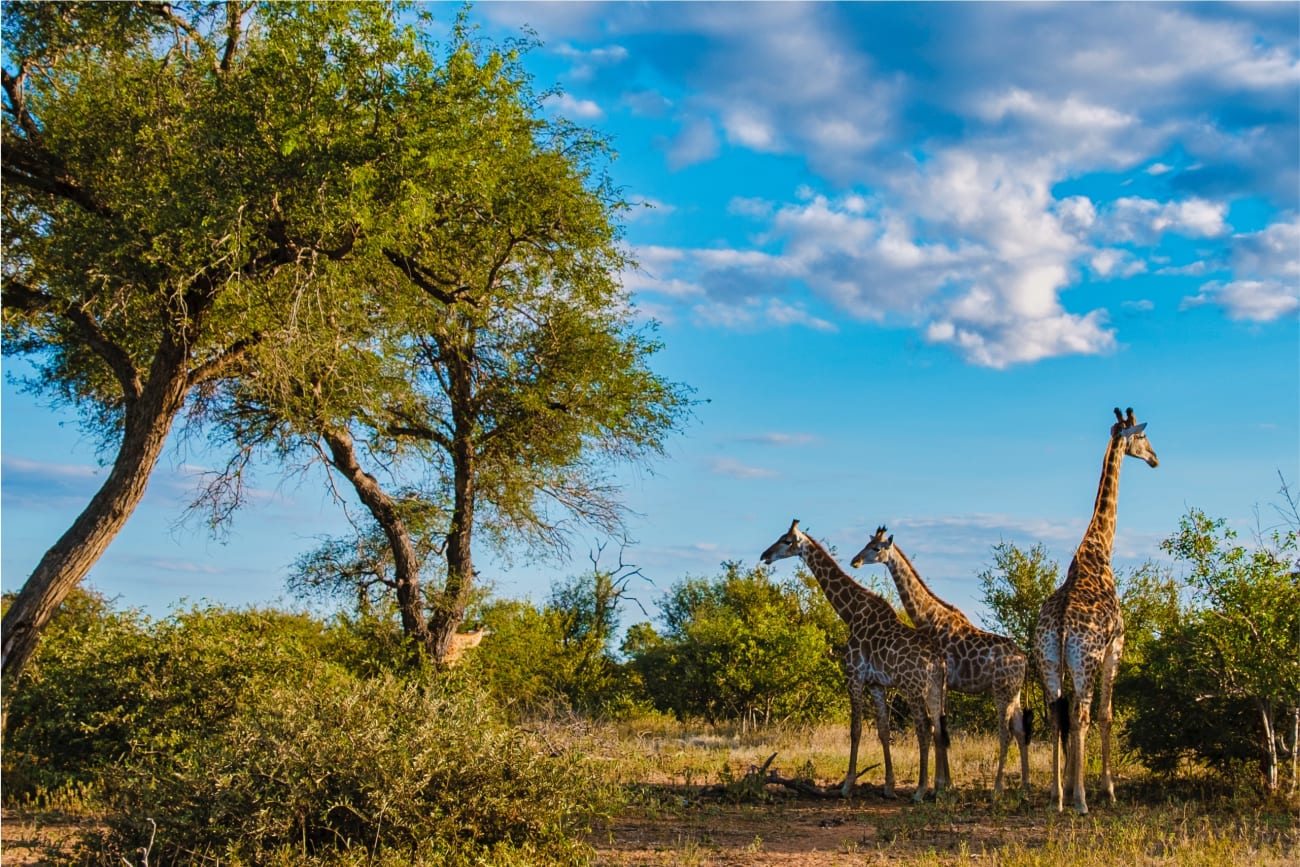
{"type": "Point", "coordinates": [809, 832]}
{"type": "Point", "coordinates": [33, 838]}
{"type": "Point", "coordinates": [789, 832]}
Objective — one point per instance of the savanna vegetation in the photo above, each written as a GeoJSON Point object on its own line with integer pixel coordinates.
{"type": "Point", "coordinates": [333, 237]}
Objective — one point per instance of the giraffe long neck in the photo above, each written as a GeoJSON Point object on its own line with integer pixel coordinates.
{"type": "Point", "coordinates": [1099, 539]}
{"type": "Point", "coordinates": [921, 604]}
{"type": "Point", "coordinates": [844, 594]}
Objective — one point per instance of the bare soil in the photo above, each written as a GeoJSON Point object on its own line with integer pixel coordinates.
{"type": "Point", "coordinates": [38, 837]}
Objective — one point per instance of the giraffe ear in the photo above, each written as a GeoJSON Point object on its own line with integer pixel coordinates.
{"type": "Point", "coordinates": [1135, 429]}
{"type": "Point", "coordinates": [889, 543]}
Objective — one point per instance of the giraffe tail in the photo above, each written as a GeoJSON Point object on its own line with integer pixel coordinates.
{"type": "Point", "coordinates": [943, 731]}
{"type": "Point", "coordinates": [1061, 710]}
{"type": "Point", "coordinates": [1027, 723]}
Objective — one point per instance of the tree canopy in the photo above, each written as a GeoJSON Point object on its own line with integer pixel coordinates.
{"type": "Point", "coordinates": [502, 371]}
{"type": "Point", "coordinates": [178, 181]}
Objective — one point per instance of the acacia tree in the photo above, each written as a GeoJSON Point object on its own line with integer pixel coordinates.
{"type": "Point", "coordinates": [177, 179]}
{"type": "Point", "coordinates": [511, 373]}
{"type": "Point", "coordinates": [1241, 633]}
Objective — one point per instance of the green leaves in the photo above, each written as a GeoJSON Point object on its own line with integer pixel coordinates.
{"type": "Point", "coordinates": [738, 647]}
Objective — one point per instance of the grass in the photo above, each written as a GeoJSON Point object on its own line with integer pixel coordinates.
{"type": "Point", "coordinates": [1190, 821]}
{"type": "Point", "coordinates": [677, 814]}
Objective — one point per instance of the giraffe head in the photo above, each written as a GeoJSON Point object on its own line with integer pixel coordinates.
{"type": "Point", "coordinates": [792, 543]}
{"type": "Point", "coordinates": [1136, 443]}
{"type": "Point", "coordinates": [877, 550]}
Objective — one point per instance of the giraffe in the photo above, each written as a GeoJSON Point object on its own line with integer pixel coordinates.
{"type": "Point", "coordinates": [883, 652]}
{"type": "Point", "coordinates": [1080, 631]}
{"type": "Point", "coordinates": [977, 661]}
{"type": "Point", "coordinates": [462, 642]}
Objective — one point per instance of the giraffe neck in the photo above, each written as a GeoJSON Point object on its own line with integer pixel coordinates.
{"type": "Point", "coordinates": [1099, 539]}
{"type": "Point", "coordinates": [921, 605]}
{"type": "Point", "coordinates": [844, 594]}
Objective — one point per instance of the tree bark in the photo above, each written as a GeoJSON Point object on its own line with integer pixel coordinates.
{"type": "Point", "coordinates": [1268, 745]}
{"type": "Point", "coordinates": [449, 610]}
{"type": "Point", "coordinates": [406, 565]}
{"type": "Point", "coordinates": [147, 423]}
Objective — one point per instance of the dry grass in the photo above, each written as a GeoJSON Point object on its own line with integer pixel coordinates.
{"type": "Point", "coordinates": [673, 820]}
{"type": "Point", "coordinates": [669, 819]}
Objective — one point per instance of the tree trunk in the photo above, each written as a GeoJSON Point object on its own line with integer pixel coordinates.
{"type": "Point", "coordinates": [1268, 745]}
{"type": "Point", "coordinates": [449, 610]}
{"type": "Point", "coordinates": [148, 421]}
{"type": "Point", "coordinates": [406, 565]}
{"type": "Point", "coordinates": [1295, 746]}
{"type": "Point", "coordinates": [450, 607]}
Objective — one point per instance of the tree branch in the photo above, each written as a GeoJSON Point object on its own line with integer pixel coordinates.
{"type": "Point", "coordinates": [234, 29]}
{"type": "Point", "coordinates": [23, 297]}
{"type": "Point", "coordinates": [215, 367]}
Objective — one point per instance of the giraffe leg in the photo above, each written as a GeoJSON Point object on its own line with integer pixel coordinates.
{"type": "Point", "coordinates": [1022, 728]}
{"type": "Point", "coordinates": [1057, 712]}
{"type": "Point", "coordinates": [922, 721]}
{"type": "Point", "coordinates": [1109, 667]}
{"type": "Point", "coordinates": [942, 777]}
{"type": "Point", "coordinates": [882, 732]}
{"type": "Point", "coordinates": [1004, 738]}
{"type": "Point", "coordinates": [855, 734]}
{"type": "Point", "coordinates": [1081, 713]}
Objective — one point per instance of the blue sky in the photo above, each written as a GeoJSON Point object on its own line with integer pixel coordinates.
{"type": "Point", "coordinates": [909, 255]}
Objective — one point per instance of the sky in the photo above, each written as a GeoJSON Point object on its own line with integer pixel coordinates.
{"type": "Point", "coordinates": [908, 256]}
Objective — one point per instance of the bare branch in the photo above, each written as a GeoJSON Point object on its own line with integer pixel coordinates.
{"type": "Point", "coordinates": [215, 367]}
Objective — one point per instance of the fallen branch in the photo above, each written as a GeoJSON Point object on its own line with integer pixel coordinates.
{"type": "Point", "coordinates": [757, 778]}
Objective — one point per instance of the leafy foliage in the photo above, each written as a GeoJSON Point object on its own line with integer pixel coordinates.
{"type": "Point", "coordinates": [1226, 669]}
{"type": "Point", "coordinates": [560, 656]}
{"type": "Point", "coordinates": [255, 736]}
{"type": "Point", "coordinates": [739, 647]}
{"type": "Point", "coordinates": [319, 764]}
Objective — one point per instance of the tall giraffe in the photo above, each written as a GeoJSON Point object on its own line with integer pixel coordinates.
{"type": "Point", "coordinates": [1080, 631]}
{"type": "Point", "coordinates": [977, 661]}
{"type": "Point", "coordinates": [883, 652]}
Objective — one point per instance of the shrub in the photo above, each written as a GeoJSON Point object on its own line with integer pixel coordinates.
{"type": "Point", "coordinates": [317, 765]}
{"type": "Point", "coordinates": [79, 698]}
{"type": "Point", "coordinates": [742, 648]}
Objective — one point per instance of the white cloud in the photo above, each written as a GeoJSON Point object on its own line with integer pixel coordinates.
{"type": "Point", "coordinates": [1272, 252]}
{"type": "Point", "coordinates": [696, 142]}
{"type": "Point", "coordinates": [1111, 262]}
{"type": "Point", "coordinates": [735, 469]}
{"type": "Point", "coordinates": [568, 106]}
{"type": "Point", "coordinates": [1266, 276]}
{"type": "Point", "coordinates": [1144, 220]}
{"type": "Point", "coordinates": [777, 439]}
{"type": "Point", "coordinates": [1249, 300]}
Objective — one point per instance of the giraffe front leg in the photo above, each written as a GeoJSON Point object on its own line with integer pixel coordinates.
{"type": "Point", "coordinates": [1004, 741]}
{"type": "Point", "coordinates": [1109, 668]}
{"type": "Point", "coordinates": [921, 721]}
{"type": "Point", "coordinates": [855, 734]}
{"type": "Point", "coordinates": [882, 732]}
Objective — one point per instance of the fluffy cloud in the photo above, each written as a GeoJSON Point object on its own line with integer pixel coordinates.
{"type": "Point", "coordinates": [1266, 266]}
{"type": "Point", "coordinates": [581, 109]}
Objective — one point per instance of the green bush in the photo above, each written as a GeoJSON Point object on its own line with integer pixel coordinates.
{"type": "Point", "coordinates": [740, 648]}
{"type": "Point", "coordinates": [78, 701]}
{"type": "Point", "coordinates": [317, 765]}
